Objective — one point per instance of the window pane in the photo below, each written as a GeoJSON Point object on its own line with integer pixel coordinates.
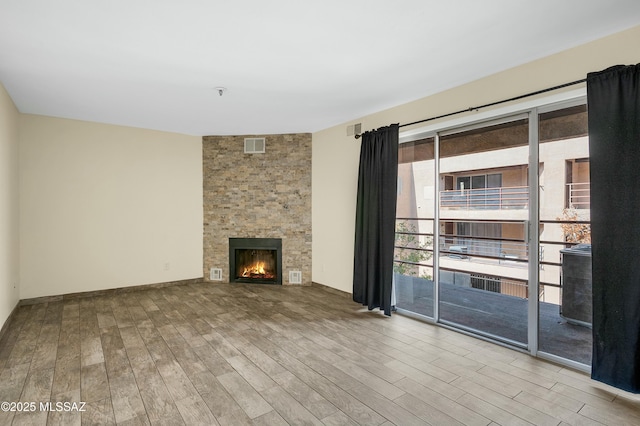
{"type": "Point", "coordinates": [464, 183]}
{"type": "Point", "coordinates": [483, 264]}
{"type": "Point", "coordinates": [419, 150]}
{"type": "Point", "coordinates": [494, 180]}
{"type": "Point", "coordinates": [478, 182]}
{"type": "Point", "coordinates": [565, 284]}
{"type": "Point", "coordinates": [413, 255]}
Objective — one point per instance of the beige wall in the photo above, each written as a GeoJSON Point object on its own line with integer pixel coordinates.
{"type": "Point", "coordinates": [335, 155]}
{"type": "Point", "coordinates": [105, 206]}
{"type": "Point", "coordinates": [9, 243]}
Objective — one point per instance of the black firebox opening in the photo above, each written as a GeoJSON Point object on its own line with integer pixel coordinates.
{"type": "Point", "coordinates": [255, 260]}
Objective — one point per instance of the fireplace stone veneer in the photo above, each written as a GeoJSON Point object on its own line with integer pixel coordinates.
{"type": "Point", "coordinates": [265, 195]}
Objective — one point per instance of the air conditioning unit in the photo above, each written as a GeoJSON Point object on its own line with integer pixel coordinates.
{"type": "Point", "coordinates": [458, 252]}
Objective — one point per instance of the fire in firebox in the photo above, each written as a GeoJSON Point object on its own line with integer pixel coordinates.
{"type": "Point", "coordinates": [255, 260]}
{"type": "Point", "coordinates": [255, 264]}
{"type": "Point", "coordinates": [257, 270]}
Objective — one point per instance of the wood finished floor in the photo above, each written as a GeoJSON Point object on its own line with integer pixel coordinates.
{"type": "Point", "coordinates": [275, 355]}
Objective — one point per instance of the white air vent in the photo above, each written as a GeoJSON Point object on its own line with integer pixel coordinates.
{"type": "Point", "coordinates": [215, 274]}
{"type": "Point", "coordinates": [354, 129]}
{"type": "Point", "coordinates": [295, 277]}
{"type": "Point", "coordinates": [254, 145]}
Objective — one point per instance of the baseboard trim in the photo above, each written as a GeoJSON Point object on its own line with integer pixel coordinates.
{"type": "Point", "coordinates": [7, 323]}
{"type": "Point", "coordinates": [332, 290]}
{"type": "Point", "coordinates": [105, 292]}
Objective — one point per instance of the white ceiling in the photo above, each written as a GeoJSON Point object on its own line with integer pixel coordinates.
{"type": "Point", "coordinates": [288, 65]}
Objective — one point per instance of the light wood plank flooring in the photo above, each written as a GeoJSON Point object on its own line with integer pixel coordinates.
{"type": "Point", "coordinates": [275, 355]}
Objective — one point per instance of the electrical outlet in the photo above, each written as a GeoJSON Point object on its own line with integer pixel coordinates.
{"type": "Point", "coordinates": [167, 266]}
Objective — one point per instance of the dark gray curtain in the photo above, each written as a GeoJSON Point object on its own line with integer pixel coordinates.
{"type": "Point", "coordinates": [613, 99]}
{"type": "Point", "coordinates": [375, 218]}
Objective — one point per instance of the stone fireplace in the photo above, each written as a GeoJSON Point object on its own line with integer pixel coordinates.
{"type": "Point", "coordinates": [255, 260]}
{"type": "Point", "coordinates": [257, 195]}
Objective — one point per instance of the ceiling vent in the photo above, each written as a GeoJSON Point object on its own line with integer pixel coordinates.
{"type": "Point", "coordinates": [254, 145]}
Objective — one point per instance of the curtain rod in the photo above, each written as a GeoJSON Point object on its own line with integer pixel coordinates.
{"type": "Point", "coordinates": [537, 92]}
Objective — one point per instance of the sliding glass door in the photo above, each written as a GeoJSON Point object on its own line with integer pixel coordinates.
{"type": "Point", "coordinates": [492, 231]}
{"type": "Point", "coordinates": [413, 265]}
{"type": "Point", "coordinates": [483, 208]}
{"type": "Point", "coordinates": [565, 234]}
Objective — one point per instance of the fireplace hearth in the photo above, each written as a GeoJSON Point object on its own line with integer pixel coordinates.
{"type": "Point", "coordinates": [255, 260]}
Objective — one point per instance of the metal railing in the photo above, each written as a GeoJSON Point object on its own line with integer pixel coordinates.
{"type": "Point", "coordinates": [503, 198]}
{"type": "Point", "coordinates": [499, 248]}
{"type": "Point", "coordinates": [579, 195]}
{"type": "Point", "coordinates": [501, 251]}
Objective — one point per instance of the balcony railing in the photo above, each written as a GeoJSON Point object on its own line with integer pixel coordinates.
{"type": "Point", "coordinates": [504, 198]}
{"type": "Point", "coordinates": [579, 195]}
{"type": "Point", "coordinates": [503, 252]}
{"type": "Point", "coordinates": [502, 249]}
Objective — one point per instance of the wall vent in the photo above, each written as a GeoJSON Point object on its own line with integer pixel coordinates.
{"type": "Point", "coordinates": [354, 129]}
{"type": "Point", "coordinates": [295, 277]}
{"type": "Point", "coordinates": [215, 274]}
{"type": "Point", "coordinates": [254, 145]}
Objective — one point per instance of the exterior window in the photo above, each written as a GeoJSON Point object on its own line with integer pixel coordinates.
{"type": "Point", "coordinates": [480, 181]}
{"type": "Point", "coordinates": [578, 189]}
